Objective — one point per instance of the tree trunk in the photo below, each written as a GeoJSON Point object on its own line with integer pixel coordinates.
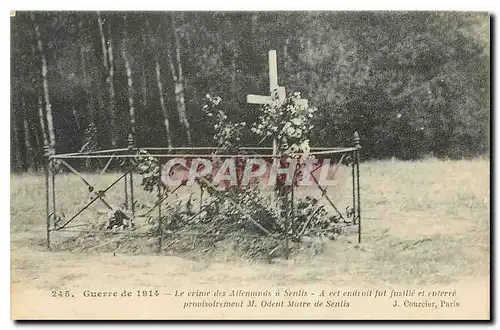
{"type": "Point", "coordinates": [179, 86]}
{"type": "Point", "coordinates": [48, 107]}
{"type": "Point", "coordinates": [41, 116]}
{"type": "Point", "coordinates": [99, 89]}
{"type": "Point", "coordinates": [42, 121]}
{"type": "Point", "coordinates": [103, 41]}
{"type": "Point", "coordinates": [143, 71]}
{"type": "Point", "coordinates": [43, 130]}
{"type": "Point", "coordinates": [130, 91]}
{"type": "Point", "coordinates": [162, 103]}
{"type": "Point", "coordinates": [108, 64]}
{"type": "Point", "coordinates": [111, 108]}
{"type": "Point", "coordinates": [86, 82]}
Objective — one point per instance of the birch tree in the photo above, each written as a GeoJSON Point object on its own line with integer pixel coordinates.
{"type": "Point", "coordinates": [128, 69]}
{"type": "Point", "coordinates": [85, 76]}
{"type": "Point", "coordinates": [162, 104]}
{"type": "Point", "coordinates": [42, 121]}
{"type": "Point", "coordinates": [110, 80]}
{"type": "Point", "coordinates": [143, 70]}
{"type": "Point", "coordinates": [155, 49]}
{"type": "Point", "coordinates": [108, 63]}
{"type": "Point", "coordinates": [103, 40]}
{"type": "Point", "coordinates": [178, 79]}
{"type": "Point", "coordinates": [39, 96]}
{"type": "Point", "coordinates": [48, 107]}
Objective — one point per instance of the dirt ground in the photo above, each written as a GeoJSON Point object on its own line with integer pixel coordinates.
{"type": "Point", "coordinates": [425, 227]}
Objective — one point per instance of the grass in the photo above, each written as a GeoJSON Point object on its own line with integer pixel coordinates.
{"type": "Point", "coordinates": [423, 222]}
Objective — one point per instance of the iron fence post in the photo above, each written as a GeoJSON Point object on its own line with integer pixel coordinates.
{"type": "Point", "coordinates": [292, 206]}
{"type": "Point", "coordinates": [47, 196]}
{"type": "Point", "coordinates": [130, 147]}
{"type": "Point", "coordinates": [358, 147]}
{"type": "Point", "coordinates": [354, 211]}
{"type": "Point", "coordinates": [160, 221]}
{"type": "Point", "coordinates": [132, 201]}
{"type": "Point", "coordinates": [126, 193]}
{"type": "Point", "coordinates": [53, 173]}
{"type": "Point", "coordinates": [287, 226]}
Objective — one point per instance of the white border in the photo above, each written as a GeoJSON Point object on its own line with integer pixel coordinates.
{"type": "Point", "coordinates": [458, 5]}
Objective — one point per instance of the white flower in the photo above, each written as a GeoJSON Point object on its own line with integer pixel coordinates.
{"type": "Point", "coordinates": [256, 130]}
{"type": "Point", "coordinates": [296, 121]}
{"type": "Point", "coordinates": [207, 96]}
{"type": "Point", "coordinates": [305, 146]}
{"type": "Point", "coordinates": [290, 131]}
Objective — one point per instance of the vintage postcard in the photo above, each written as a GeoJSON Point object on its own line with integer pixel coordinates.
{"type": "Point", "coordinates": [250, 165]}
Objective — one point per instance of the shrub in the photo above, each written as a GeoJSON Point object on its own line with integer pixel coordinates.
{"type": "Point", "coordinates": [240, 212]}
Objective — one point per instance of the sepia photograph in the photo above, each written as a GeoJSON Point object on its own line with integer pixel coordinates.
{"type": "Point", "coordinates": [250, 165]}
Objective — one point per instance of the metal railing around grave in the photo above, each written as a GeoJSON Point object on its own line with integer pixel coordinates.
{"type": "Point", "coordinates": [125, 163]}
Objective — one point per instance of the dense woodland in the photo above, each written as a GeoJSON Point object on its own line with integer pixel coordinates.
{"type": "Point", "coordinates": [413, 84]}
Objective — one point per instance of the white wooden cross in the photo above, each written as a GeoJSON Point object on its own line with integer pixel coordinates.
{"type": "Point", "coordinates": [276, 91]}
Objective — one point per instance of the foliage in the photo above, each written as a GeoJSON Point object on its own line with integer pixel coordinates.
{"type": "Point", "coordinates": [228, 135]}
{"type": "Point", "coordinates": [412, 84]}
{"type": "Point", "coordinates": [243, 211]}
{"type": "Point", "coordinates": [148, 166]}
{"type": "Point", "coordinates": [288, 122]}
{"type": "Point", "coordinates": [312, 219]}
{"type": "Point", "coordinates": [119, 219]}
{"type": "Point", "coordinates": [244, 216]}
